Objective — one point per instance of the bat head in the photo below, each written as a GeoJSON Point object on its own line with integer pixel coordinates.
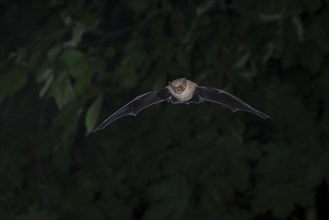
{"type": "Point", "coordinates": [178, 86]}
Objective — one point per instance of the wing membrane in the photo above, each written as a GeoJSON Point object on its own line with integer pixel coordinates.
{"type": "Point", "coordinates": [227, 99]}
{"type": "Point", "coordinates": [136, 105]}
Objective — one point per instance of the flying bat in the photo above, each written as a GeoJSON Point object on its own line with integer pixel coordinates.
{"type": "Point", "coordinates": [181, 91]}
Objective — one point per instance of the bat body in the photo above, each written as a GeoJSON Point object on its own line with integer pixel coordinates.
{"type": "Point", "coordinates": [181, 91]}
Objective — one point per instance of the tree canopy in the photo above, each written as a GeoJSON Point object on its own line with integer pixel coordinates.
{"type": "Point", "coordinates": [66, 65]}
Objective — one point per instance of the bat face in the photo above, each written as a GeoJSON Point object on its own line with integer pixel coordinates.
{"type": "Point", "coordinates": [178, 86]}
{"type": "Point", "coordinates": [181, 91]}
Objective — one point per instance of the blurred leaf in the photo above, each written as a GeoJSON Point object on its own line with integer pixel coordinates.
{"type": "Point", "coordinates": [62, 91]}
{"type": "Point", "coordinates": [62, 161]}
{"type": "Point", "coordinates": [238, 167]}
{"type": "Point", "coordinates": [92, 114]}
{"type": "Point", "coordinates": [315, 174]}
{"type": "Point", "coordinates": [168, 199]}
{"type": "Point", "coordinates": [279, 199]}
{"type": "Point", "coordinates": [299, 27]}
{"type": "Point", "coordinates": [216, 193]}
{"type": "Point", "coordinates": [270, 17]}
{"type": "Point", "coordinates": [53, 53]}
{"type": "Point", "coordinates": [133, 65]}
{"type": "Point", "coordinates": [270, 49]}
{"type": "Point", "coordinates": [35, 214]}
{"type": "Point", "coordinates": [36, 61]}
{"type": "Point", "coordinates": [159, 82]}
{"type": "Point", "coordinates": [75, 62]}
{"type": "Point", "coordinates": [12, 81]}
{"type": "Point", "coordinates": [14, 175]}
{"type": "Point", "coordinates": [129, 81]}
{"type": "Point", "coordinates": [312, 5]}
{"type": "Point", "coordinates": [48, 77]}
{"type": "Point", "coordinates": [77, 34]}
{"type": "Point", "coordinates": [311, 58]}
{"type": "Point", "coordinates": [90, 212]}
{"type": "Point", "coordinates": [109, 52]}
{"type": "Point", "coordinates": [59, 59]}
{"type": "Point", "coordinates": [21, 56]}
{"type": "Point", "coordinates": [139, 5]}
{"type": "Point", "coordinates": [202, 9]}
{"type": "Point", "coordinates": [242, 61]}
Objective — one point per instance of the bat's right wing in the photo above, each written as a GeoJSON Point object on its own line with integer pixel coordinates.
{"type": "Point", "coordinates": [136, 105]}
{"type": "Point", "coordinates": [227, 99]}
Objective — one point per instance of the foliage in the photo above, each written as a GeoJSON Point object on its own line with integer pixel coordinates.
{"type": "Point", "coordinates": [65, 65]}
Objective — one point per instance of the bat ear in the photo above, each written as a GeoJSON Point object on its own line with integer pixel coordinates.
{"type": "Point", "coordinates": [184, 81]}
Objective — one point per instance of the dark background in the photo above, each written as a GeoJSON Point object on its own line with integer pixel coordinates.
{"type": "Point", "coordinates": [66, 65]}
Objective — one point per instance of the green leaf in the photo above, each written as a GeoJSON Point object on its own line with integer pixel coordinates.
{"type": "Point", "coordinates": [62, 91]}
{"type": "Point", "coordinates": [92, 114]}
{"type": "Point", "coordinates": [34, 213]}
{"type": "Point", "coordinates": [12, 82]}
{"type": "Point", "coordinates": [311, 58]}
{"type": "Point", "coordinates": [239, 170]}
{"type": "Point", "coordinates": [53, 53]}
{"type": "Point", "coordinates": [14, 175]}
{"type": "Point", "coordinates": [61, 161]}
{"type": "Point", "coordinates": [77, 34]}
{"type": "Point", "coordinates": [168, 199]}
{"type": "Point", "coordinates": [130, 80]}
{"type": "Point", "coordinates": [48, 77]}
{"type": "Point", "coordinates": [312, 5]}
{"type": "Point", "coordinates": [297, 21]}
{"type": "Point", "coordinates": [202, 9]}
{"type": "Point", "coordinates": [243, 60]}
{"type": "Point", "coordinates": [75, 62]}
{"type": "Point", "coordinates": [279, 199]}
{"type": "Point", "coordinates": [138, 6]}
{"type": "Point", "coordinates": [109, 52]}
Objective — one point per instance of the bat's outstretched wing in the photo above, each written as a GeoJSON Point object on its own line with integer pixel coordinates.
{"type": "Point", "coordinates": [136, 105]}
{"type": "Point", "coordinates": [225, 98]}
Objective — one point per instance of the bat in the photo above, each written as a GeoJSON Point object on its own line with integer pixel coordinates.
{"type": "Point", "coordinates": [181, 91]}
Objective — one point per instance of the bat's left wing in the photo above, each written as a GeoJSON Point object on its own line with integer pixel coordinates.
{"type": "Point", "coordinates": [225, 98]}
{"type": "Point", "coordinates": [136, 105]}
